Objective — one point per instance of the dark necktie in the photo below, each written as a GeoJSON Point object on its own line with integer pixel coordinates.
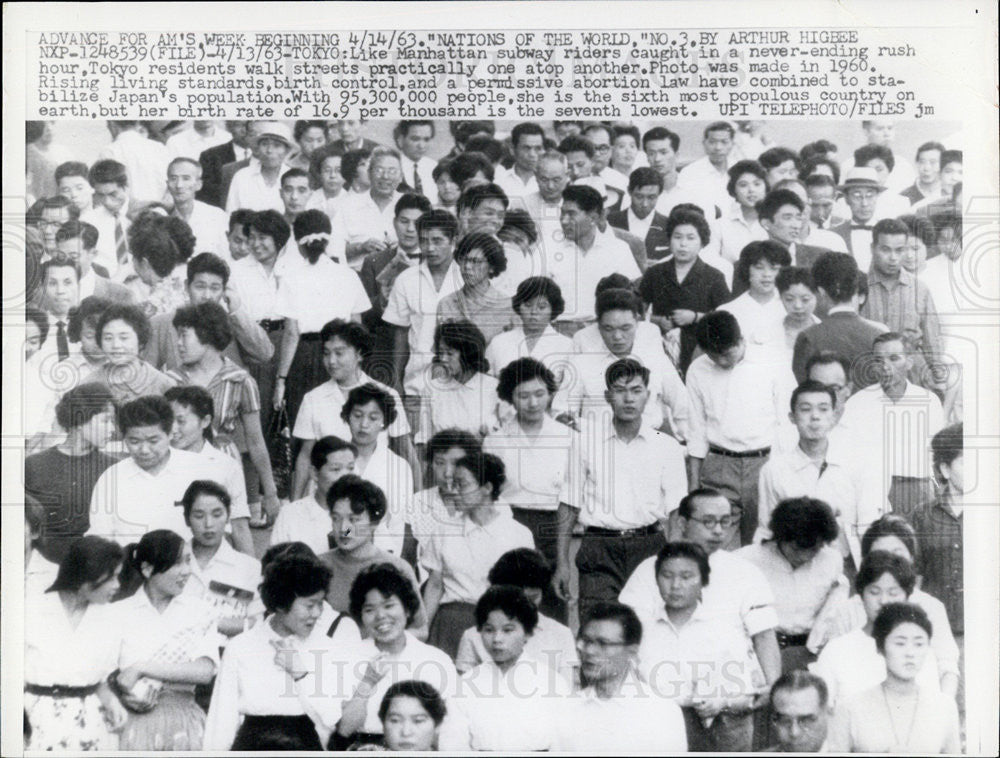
{"type": "Point", "coordinates": [62, 344]}
{"type": "Point", "coordinates": [418, 186]}
{"type": "Point", "coordinates": [822, 468]}
{"type": "Point", "coordinates": [860, 228]}
{"type": "Point", "coordinates": [121, 247]}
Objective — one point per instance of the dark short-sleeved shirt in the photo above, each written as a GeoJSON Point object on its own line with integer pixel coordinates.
{"type": "Point", "coordinates": [62, 484]}
{"type": "Point", "coordinates": [941, 559]}
{"type": "Point", "coordinates": [703, 290]}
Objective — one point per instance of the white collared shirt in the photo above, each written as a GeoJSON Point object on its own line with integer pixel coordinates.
{"type": "Point", "coordinates": [824, 238]}
{"type": "Point", "coordinates": [552, 642]}
{"type": "Point", "coordinates": [639, 226]}
{"type": "Point", "coordinates": [512, 185]}
{"type": "Point", "coordinates": [577, 272]}
{"type": "Point", "coordinates": [762, 325]}
{"type": "Point", "coordinates": [627, 485]}
{"type": "Point", "coordinates": [648, 340]}
{"type": "Point", "coordinates": [731, 233]}
{"type": "Point", "coordinates": [209, 226]}
{"type": "Point", "coordinates": [551, 348]}
{"type": "Point", "coordinates": [256, 288]}
{"type": "Point", "coordinates": [250, 190]}
{"type": "Point", "coordinates": [319, 414]}
{"type": "Point", "coordinates": [56, 652]}
{"type": "Point", "coordinates": [316, 294]}
{"type": "Point", "coordinates": [360, 219]}
{"type": "Point", "coordinates": [425, 169]}
{"type": "Point", "coordinates": [701, 175]}
{"type": "Point", "coordinates": [145, 163]}
{"type": "Point", "coordinates": [393, 476]}
{"type": "Point", "coordinates": [229, 581]}
{"type": "Point", "coordinates": [190, 143]}
{"type": "Point", "coordinates": [455, 405]}
{"type": "Point", "coordinates": [184, 631]}
{"type": "Point", "coordinates": [39, 575]}
{"type": "Point", "coordinates": [228, 473]}
{"type": "Point", "coordinates": [303, 520]}
{"type": "Point", "coordinates": [465, 552]}
{"type": "Point", "coordinates": [680, 194]}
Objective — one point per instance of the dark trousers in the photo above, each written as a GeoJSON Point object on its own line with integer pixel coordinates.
{"type": "Point", "coordinates": [606, 562]}
{"type": "Point", "coordinates": [544, 526]}
{"type": "Point", "coordinates": [728, 733]}
{"type": "Point", "coordinates": [736, 478]}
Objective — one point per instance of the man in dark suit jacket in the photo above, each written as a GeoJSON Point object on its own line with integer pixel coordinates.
{"type": "Point", "coordinates": [781, 214]}
{"type": "Point", "coordinates": [842, 330]}
{"type": "Point", "coordinates": [644, 188]}
{"type": "Point", "coordinates": [213, 160]}
{"type": "Point", "coordinates": [861, 190]}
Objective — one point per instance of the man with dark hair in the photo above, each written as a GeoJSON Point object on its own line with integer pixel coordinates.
{"type": "Point", "coordinates": [631, 478]}
{"type": "Point", "coordinates": [799, 713]}
{"type": "Point", "coordinates": [822, 193]}
{"type": "Point", "coordinates": [641, 217]}
{"type": "Point", "coordinates": [528, 141]}
{"type": "Point", "coordinates": [73, 183]}
{"type": "Point", "coordinates": [208, 223]}
{"type": "Point", "coordinates": [842, 330]}
{"type": "Point", "coordinates": [364, 225]}
{"type": "Point", "coordinates": [880, 158]}
{"type": "Point", "coordinates": [780, 163]}
{"type": "Point", "coordinates": [53, 214]}
{"type": "Point", "coordinates": [660, 146]}
{"type": "Point", "coordinates": [59, 295]}
{"type": "Point", "coordinates": [481, 208]}
{"type": "Point", "coordinates": [213, 159]}
{"type": "Point", "coordinates": [112, 213]}
{"type": "Point", "coordinates": [710, 174]}
{"type": "Point", "coordinates": [413, 138]}
{"type": "Point", "coordinates": [77, 241]}
{"type": "Point", "coordinates": [295, 193]}
{"type": "Point", "coordinates": [781, 214]}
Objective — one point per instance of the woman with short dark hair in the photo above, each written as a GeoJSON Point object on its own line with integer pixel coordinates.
{"type": "Point", "coordinates": [411, 714]}
{"type": "Point", "coordinates": [480, 257]}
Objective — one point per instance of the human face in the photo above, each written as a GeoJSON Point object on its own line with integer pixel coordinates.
{"type": "Point", "coordinates": [362, 177]}
{"type": "Point", "coordinates": [188, 431]}
{"type": "Point", "coordinates": [408, 725]}
{"type": "Point", "coordinates": [579, 165]}
{"type": "Point", "coordinates": [341, 360]}
{"type": "Point", "coordinates": [821, 202]}
{"type": "Point", "coordinates": [954, 474]}
{"type": "Point", "coordinates": [628, 399]}
{"type": "Point", "coordinates": [384, 173]}
{"type": "Point", "coordinates": [208, 521]}
{"type": "Point", "coordinates": [623, 152]}
{"type": "Point", "coordinates": [78, 191]}
{"type": "Point", "coordinates": [52, 219]}
{"type": "Point", "coordinates": [295, 194]}
{"type": "Point", "coordinates": [881, 170]}
{"type": "Point", "coordinates": [705, 526]}
{"type": "Point", "coordinates": [644, 200]}
{"type": "Point", "coordinates": [603, 652]}
{"type": "Point", "coordinates": [503, 637]}
{"type": "Point", "coordinates": [383, 617]}
{"type": "Point", "coordinates": [679, 582]}
{"type": "Point", "coordinates": [448, 190]}
{"type": "Point", "coordinates": [685, 243]}
{"type": "Point", "coordinates": [415, 142]}
{"type": "Point", "coordinates": [32, 339]}
{"type": "Point", "coordinates": [800, 722]}
{"type": "Point", "coordinates": [888, 252]}
{"type": "Point", "coordinates": [905, 651]}
{"type": "Point", "coordinates": [405, 225]}
{"type": "Point", "coordinates": [469, 493]}
{"type": "Point", "coordinates": [239, 243]}
{"type": "Point", "coordinates": [799, 302]}
{"type": "Point", "coordinates": [784, 170]}
{"type": "Point", "coordinates": [915, 254]}
{"type": "Point", "coordinates": [536, 314]}
{"type": "Point", "coordinates": [661, 156]}
{"type": "Point", "coordinates": [74, 250]}
{"type": "Point", "coordinates": [861, 201]}
{"type": "Point", "coordinates": [531, 400]}
{"type": "Point", "coordinates": [949, 243]}
{"type": "Point", "coordinates": [337, 464]}
{"type": "Point", "coordinates": [330, 176]}
{"type": "Point", "coordinates": [312, 140]}
{"type": "Point", "coordinates": [205, 288]}
{"type": "Point", "coordinates": [730, 357]}
{"type": "Point", "coordinates": [436, 248]}
{"type": "Point", "coordinates": [750, 190]}
{"type": "Point", "coordinates": [349, 130]}
{"type": "Point", "coordinates": [238, 130]}
{"type": "Point", "coordinates": [880, 132]}
{"type": "Point", "coordinates": [351, 530]}
{"type": "Point", "coordinates": [486, 217]}
{"type": "Point", "coordinates": [832, 375]}
{"type": "Point", "coordinates": [892, 363]}
{"type": "Point", "coordinates": [814, 416]}
{"type": "Point", "coordinates": [89, 345]}
{"type": "Point", "coordinates": [111, 195]}
{"type": "Point", "coordinates": [119, 342]}
{"type": "Point", "coordinates": [617, 328]}
{"type": "Point", "coordinates": [528, 150]}
{"type": "Point", "coordinates": [301, 617]}
{"type": "Point", "coordinates": [576, 223]}
{"type": "Point", "coordinates": [601, 141]}
{"type": "Point", "coordinates": [100, 428]}
{"type": "Point", "coordinates": [718, 144]}
{"type": "Point", "coordinates": [475, 267]}
{"type": "Point", "coordinates": [171, 582]}
{"type": "Point", "coordinates": [62, 289]}
{"type": "Point", "coordinates": [183, 181]}
{"type": "Point", "coordinates": [890, 543]}
{"type": "Point", "coordinates": [951, 174]}
{"type": "Point", "coordinates": [366, 422]}
{"type": "Point", "coordinates": [762, 276]}
{"type": "Point", "coordinates": [104, 590]}
{"type": "Point", "coordinates": [262, 247]}
{"type": "Point", "coordinates": [552, 177]}
{"type": "Point", "coordinates": [785, 225]}
{"type": "Point", "coordinates": [149, 446]}
{"type": "Point", "coordinates": [567, 129]}
{"type": "Point", "coordinates": [443, 468]}
{"type": "Point", "coordinates": [798, 556]}
{"type": "Point", "coordinates": [190, 349]}
{"type": "Point", "coordinates": [882, 591]}
{"type": "Point", "coordinates": [450, 359]}
{"type": "Point", "coordinates": [271, 152]}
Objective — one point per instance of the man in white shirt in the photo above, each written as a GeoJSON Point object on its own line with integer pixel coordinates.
{"type": "Point", "coordinates": [77, 241]}
{"type": "Point", "coordinates": [630, 477]}
{"type": "Point", "coordinates": [60, 294]}
{"type": "Point", "coordinates": [364, 225]}
{"type": "Point", "coordinates": [661, 146]}
{"type": "Point", "coordinates": [880, 158]}
{"type": "Point", "coordinates": [586, 256]}
{"type": "Point", "coordinates": [641, 218]}
{"type": "Point", "coordinates": [861, 191]}
{"type": "Point", "coordinates": [810, 236]}
{"type": "Point", "coordinates": [736, 407]}
{"type": "Point", "coordinates": [799, 713]}
{"type": "Point", "coordinates": [193, 141]}
{"type": "Point", "coordinates": [882, 132]}
{"type": "Point", "coordinates": [295, 193]}
{"type": "Point", "coordinates": [74, 185]}
{"type": "Point", "coordinates": [111, 215]}
{"type": "Point", "coordinates": [552, 177]}
{"type": "Point", "coordinates": [613, 182]}
{"type": "Point", "coordinates": [617, 712]}
{"type": "Point", "coordinates": [258, 186]}
{"type": "Point", "coordinates": [413, 138]}
{"type": "Point", "coordinates": [208, 223]}
{"type": "Point", "coordinates": [528, 141]}
{"type": "Point", "coordinates": [710, 175]}
{"type": "Point", "coordinates": [145, 161]}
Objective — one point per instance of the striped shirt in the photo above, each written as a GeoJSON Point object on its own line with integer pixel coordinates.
{"type": "Point", "coordinates": [234, 394]}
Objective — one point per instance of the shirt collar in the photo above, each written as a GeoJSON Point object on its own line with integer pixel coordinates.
{"type": "Point", "coordinates": [877, 277]}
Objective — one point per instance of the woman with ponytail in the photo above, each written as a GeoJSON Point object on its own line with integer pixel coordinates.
{"type": "Point", "coordinates": [169, 644]}
{"type": "Point", "coordinates": [313, 291]}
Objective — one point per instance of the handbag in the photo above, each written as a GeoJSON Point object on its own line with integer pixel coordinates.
{"type": "Point", "coordinates": [279, 448]}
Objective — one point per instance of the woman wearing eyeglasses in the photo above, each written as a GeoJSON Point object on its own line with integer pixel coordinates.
{"type": "Point", "coordinates": [481, 259]}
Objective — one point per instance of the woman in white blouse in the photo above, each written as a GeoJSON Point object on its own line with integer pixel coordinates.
{"type": "Point", "coordinates": [70, 649]}
{"type": "Point", "coordinates": [266, 677]}
{"type": "Point", "coordinates": [462, 395]}
{"type": "Point", "coordinates": [169, 645]}
{"type": "Point", "coordinates": [312, 290]}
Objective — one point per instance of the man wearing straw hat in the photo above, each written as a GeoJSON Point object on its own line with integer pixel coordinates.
{"type": "Point", "coordinates": [861, 189]}
{"type": "Point", "coordinates": [258, 187]}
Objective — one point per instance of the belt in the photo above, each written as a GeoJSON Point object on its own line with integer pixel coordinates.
{"type": "Point", "coordinates": [59, 690]}
{"type": "Point", "coordinates": [642, 531]}
{"type": "Point", "coordinates": [791, 640]}
{"type": "Point", "coordinates": [761, 453]}
{"type": "Point", "coordinates": [310, 337]}
{"type": "Point", "coordinates": [272, 324]}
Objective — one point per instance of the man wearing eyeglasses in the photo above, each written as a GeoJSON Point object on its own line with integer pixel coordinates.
{"type": "Point", "coordinates": [364, 225]}
{"type": "Point", "coordinates": [799, 717]}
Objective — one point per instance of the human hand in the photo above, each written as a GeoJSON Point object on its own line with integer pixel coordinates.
{"type": "Point", "coordinates": [683, 317]}
{"type": "Point", "coordinates": [279, 394]}
{"type": "Point", "coordinates": [287, 658]}
{"type": "Point", "coordinates": [232, 299]}
{"type": "Point", "coordinates": [115, 714]}
{"type": "Point", "coordinates": [271, 505]}
{"type": "Point", "coordinates": [561, 582]}
{"type": "Point", "coordinates": [373, 246]}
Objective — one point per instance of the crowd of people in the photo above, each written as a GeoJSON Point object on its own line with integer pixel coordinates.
{"type": "Point", "coordinates": [550, 444]}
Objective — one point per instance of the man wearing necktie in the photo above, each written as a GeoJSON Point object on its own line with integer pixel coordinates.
{"type": "Point", "coordinates": [110, 182]}
{"type": "Point", "coordinates": [413, 138]}
{"type": "Point", "coordinates": [61, 293]}
{"type": "Point", "coordinates": [861, 190]}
